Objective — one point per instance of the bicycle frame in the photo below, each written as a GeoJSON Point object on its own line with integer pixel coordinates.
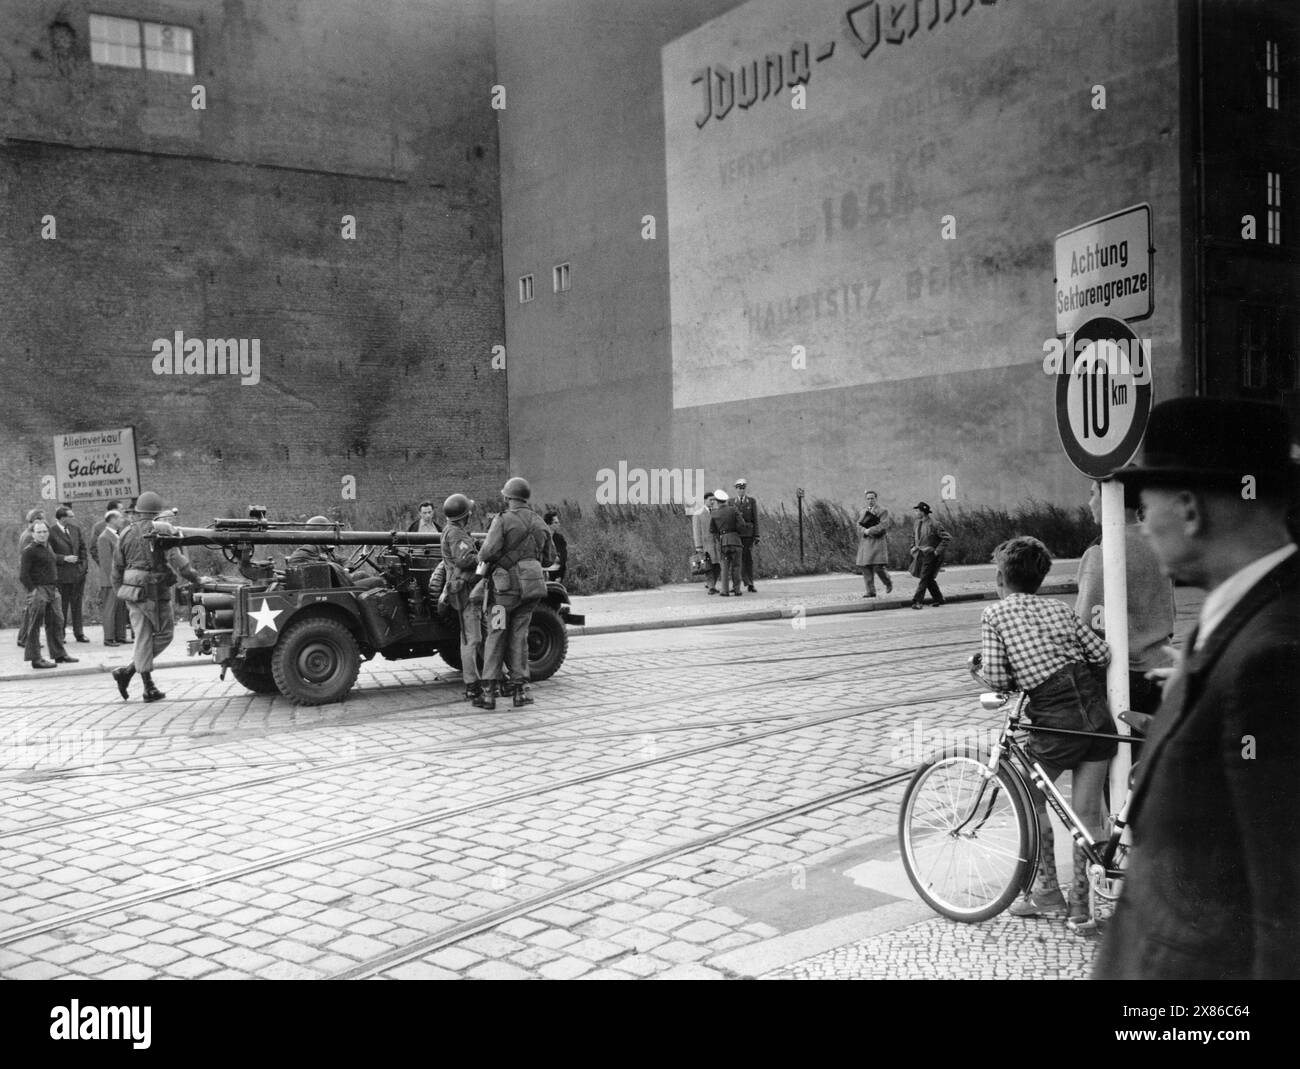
{"type": "Point", "coordinates": [1008, 754]}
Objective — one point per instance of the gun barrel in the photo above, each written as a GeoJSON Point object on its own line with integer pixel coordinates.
{"type": "Point", "coordinates": [303, 536]}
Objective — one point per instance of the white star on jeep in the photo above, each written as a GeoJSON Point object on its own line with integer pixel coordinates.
{"type": "Point", "coordinates": [265, 617]}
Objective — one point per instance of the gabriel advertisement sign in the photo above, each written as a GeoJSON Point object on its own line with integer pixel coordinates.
{"type": "Point", "coordinates": [96, 465]}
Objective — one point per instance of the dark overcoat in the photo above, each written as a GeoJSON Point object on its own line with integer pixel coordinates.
{"type": "Point", "coordinates": [1213, 889]}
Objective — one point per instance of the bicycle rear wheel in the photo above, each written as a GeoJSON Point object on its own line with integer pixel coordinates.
{"type": "Point", "coordinates": [967, 841]}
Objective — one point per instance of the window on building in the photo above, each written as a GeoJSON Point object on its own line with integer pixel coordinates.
{"type": "Point", "coordinates": [525, 289]}
{"type": "Point", "coordinates": [117, 42]}
{"type": "Point", "coordinates": [1274, 208]}
{"type": "Point", "coordinates": [560, 278]}
{"type": "Point", "coordinates": [1254, 331]}
{"type": "Point", "coordinates": [1272, 76]}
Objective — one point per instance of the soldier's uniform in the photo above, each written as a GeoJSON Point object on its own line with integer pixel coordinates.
{"type": "Point", "coordinates": [460, 556]}
{"type": "Point", "coordinates": [517, 547]}
{"type": "Point", "coordinates": [144, 575]}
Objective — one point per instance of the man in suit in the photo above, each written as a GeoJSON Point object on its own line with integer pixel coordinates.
{"type": "Point", "coordinates": [929, 540]}
{"type": "Point", "coordinates": [69, 548]}
{"type": "Point", "coordinates": [747, 509]}
{"type": "Point", "coordinates": [1213, 887]}
{"type": "Point", "coordinates": [92, 543]}
{"type": "Point", "coordinates": [112, 611]}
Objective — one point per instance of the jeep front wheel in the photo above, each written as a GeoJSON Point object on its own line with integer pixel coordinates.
{"type": "Point", "coordinates": [316, 661]}
{"type": "Point", "coordinates": [548, 642]}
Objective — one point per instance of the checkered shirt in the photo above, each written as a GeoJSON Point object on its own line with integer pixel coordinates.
{"type": "Point", "coordinates": [1024, 639]}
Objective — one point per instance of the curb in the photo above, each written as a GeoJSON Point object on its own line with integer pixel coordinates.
{"type": "Point", "coordinates": [748, 616]}
{"type": "Point", "coordinates": [758, 615]}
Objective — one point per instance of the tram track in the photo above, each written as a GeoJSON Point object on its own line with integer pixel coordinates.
{"type": "Point", "coordinates": [457, 933]}
{"type": "Point", "coordinates": [286, 857]}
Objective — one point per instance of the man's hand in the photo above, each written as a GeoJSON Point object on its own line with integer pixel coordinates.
{"type": "Point", "coordinates": [70, 559]}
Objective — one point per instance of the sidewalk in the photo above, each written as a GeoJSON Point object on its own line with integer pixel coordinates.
{"type": "Point", "coordinates": [674, 605]}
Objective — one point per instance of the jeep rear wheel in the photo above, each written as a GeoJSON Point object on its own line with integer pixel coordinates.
{"type": "Point", "coordinates": [548, 642]}
{"type": "Point", "coordinates": [254, 672]}
{"type": "Point", "coordinates": [316, 661]}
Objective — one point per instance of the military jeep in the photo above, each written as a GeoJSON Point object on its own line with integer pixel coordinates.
{"type": "Point", "coordinates": [303, 630]}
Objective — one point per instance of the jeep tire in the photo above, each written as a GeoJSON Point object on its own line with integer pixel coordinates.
{"type": "Point", "coordinates": [316, 661]}
{"type": "Point", "coordinates": [548, 642]}
{"type": "Point", "coordinates": [254, 672]}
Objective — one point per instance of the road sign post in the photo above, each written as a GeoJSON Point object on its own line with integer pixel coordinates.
{"type": "Point", "coordinates": [1103, 399]}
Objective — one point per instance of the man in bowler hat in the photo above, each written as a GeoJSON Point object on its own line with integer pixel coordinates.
{"type": "Point", "coordinates": [1213, 887]}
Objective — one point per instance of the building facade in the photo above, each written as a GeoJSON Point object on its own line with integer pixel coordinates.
{"type": "Point", "coordinates": [319, 178]}
{"type": "Point", "coordinates": [811, 242]}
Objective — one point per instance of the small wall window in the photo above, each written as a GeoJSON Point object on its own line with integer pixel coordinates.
{"type": "Point", "coordinates": [1274, 208]}
{"type": "Point", "coordinates": [155, 46]}
{"type": "Point", "coordinates": [525, 289]}
{"type": "Point", "coordinates": [560, 278]}
{"type": "Point", "coordinates": [1272, 76]}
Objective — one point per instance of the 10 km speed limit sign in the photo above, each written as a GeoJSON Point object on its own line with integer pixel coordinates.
{"type": "Point", "coordinates": [1103, 395]}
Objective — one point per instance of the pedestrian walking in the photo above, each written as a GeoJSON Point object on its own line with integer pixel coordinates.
{"type": "Point", "coordinates": [143, 576]}
{"type": "Point", "coordinates": [929, 541]}
{"type": "Point", "coordinates": [38, 575]}
{"type": "Point", "coordinates": [1212, 890]}
{"type": "Point", "coordinates": [517, 547]}
{"type": "Point", "coordinates": [461, 558]}
{"type": "Point", "coordinates": [725, 527]}
{"type": "Point", "coordinates": [705, 542]}
{"type": "Point", "coordinates": [112, 611]}
{"type": "Point", "coordinates": [69, 548]}
{"type": "Point", "coordinates": [873, 545]}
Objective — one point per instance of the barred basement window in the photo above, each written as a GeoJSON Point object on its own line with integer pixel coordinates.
{"type": "Point", "coordinates": [1254, 330]}
{"type": "Point", "coordinates": [1271, 76]}
{"type": "Point", "coordinates": [525, 289]}
{"type": "Point", "coordinates": [155, 46]}
{"type": "Point", "coordinates": [560, 278]}
{"type": "Point", "coordinates": [1274, 208]}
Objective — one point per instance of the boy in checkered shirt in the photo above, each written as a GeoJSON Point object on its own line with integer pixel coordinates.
{"type": "Point", "coordinates": [1040, 646]}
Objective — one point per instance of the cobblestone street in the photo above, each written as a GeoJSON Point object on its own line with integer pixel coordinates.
{"type": "Point", "coordinates": [636, 822]}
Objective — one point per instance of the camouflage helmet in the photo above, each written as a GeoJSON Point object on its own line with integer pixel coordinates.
{"type": "Point", "coordinates": [457, 507]}
{"type": "Point", "coordinates": [517, 488]}
{"type": "Point", "coordinates": [149, 504]}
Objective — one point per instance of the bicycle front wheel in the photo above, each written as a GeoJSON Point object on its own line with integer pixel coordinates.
{"type": "Point", "coordinates": [966, 838]}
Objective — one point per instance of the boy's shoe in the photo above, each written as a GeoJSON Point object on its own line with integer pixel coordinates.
{"type": "Point", "coordinates": [1049, 904]}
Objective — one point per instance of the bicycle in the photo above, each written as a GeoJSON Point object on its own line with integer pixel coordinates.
{"type": "Point", "coordinates": [969, 832]}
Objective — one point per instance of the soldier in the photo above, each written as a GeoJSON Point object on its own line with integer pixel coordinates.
{"type": "Point", "coordinates": [143, 576]}
{"type": "Point", "coordinates": [318, 554]}
{"type": "Point", "coordinates": [461, 559]}
{"type": "Point", "coordinates": [513, 554]}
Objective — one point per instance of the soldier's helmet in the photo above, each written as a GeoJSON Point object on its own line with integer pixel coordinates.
{"type": "Point", "coordinates": [318, 519]}
{"type": "Point", "coordinates": [517, 488]}
{"type": "Point", "coordinates": [457, 507]}
{"type": "Point", "coordinates": [149, 504]}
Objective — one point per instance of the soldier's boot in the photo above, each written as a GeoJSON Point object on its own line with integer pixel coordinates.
{"type": "Point", "coordinates": [122, 677]}
{"type": "Point", "coordinates": [487, 697]}
{"type": "Point", "coordinates": [472, 692]}
{"type": "Point", "coordinates": [521, 695]}
{"type": "Point", "coordinates": [151, 693]}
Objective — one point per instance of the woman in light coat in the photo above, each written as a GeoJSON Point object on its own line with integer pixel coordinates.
{"type": "Point", "coordinates": [873, 545]}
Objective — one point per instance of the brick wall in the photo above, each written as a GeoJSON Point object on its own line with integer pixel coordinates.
{"type": "Point", "coordinates": [226, 223]}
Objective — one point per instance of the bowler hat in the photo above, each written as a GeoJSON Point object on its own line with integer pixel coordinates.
{"type": "Point", "coordinates": [1207, 443]}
